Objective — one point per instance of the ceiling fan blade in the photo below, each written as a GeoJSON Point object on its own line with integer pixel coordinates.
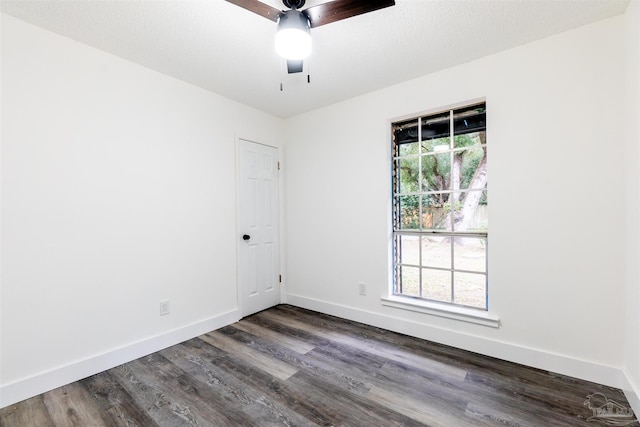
{"type": "Point", "coordinates": [294, 66]}
{"type": "Point", "coordinates": [337, 10]}
{"type": "Point", "coordinates": [259, 8]}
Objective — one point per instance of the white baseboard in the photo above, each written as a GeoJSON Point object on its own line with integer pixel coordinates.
{"type": "Point", "coordinates": [557, 363]}
{"type": "Point", "coordinates": [632, 393]}
{"type": "Point", "coordinates": [40, 383]}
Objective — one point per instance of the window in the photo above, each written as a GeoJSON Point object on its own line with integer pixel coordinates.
{"type": "Point", "coordinates": [440, 223]}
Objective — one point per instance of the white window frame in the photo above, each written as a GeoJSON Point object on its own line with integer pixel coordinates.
{"type": "Point", "coordinates": [418, 304]}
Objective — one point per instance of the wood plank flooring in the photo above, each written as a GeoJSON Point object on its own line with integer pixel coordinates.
{"type": "Point", "coordinates": [288, 366]}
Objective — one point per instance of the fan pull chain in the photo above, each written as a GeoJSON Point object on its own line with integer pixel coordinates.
{"type": "Point", "coordinates": [281, 71]}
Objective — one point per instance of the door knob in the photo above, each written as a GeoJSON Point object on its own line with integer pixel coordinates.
{"type": "Point", "coordinates": [246, 237]}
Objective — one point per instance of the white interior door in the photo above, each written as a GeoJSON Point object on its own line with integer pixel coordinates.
{"type": "Point", "coordinates": [258, 248]}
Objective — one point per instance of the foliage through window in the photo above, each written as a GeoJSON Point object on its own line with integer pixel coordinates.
{"type": "Point", "coordinates": [440, 222]}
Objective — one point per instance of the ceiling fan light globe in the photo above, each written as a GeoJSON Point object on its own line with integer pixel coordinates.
{"type": "Point", "coordinates": [293, 35]}
{"type": "Point", "coordinates": [293, 43]}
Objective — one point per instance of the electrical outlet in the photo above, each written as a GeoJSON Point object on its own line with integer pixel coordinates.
{"type": "Point", "coordinates": [164, 307]}
{"type": "Point", "coordinates": [362, 289]}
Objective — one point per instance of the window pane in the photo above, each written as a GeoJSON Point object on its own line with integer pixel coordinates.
{"type": "Point", "coordinates": [470, 289]}
{"type": "Point", "coordinates": [409, 249]}
{"type": "Point", "coordinates": [470, 253]}
{"type": "Point", "coordinates": [408, 149]}
{"type": "Point", "coordinates": [453, 207]}
{"type": "Point", "coordinates": [473, 139]}
{"type": "Point", "coordinates": [409, 212]}
{"type": "Point", "coordinates": [469, 119]}
{"type": "Point", "coordinates": [471, 213]}
{"type": "Point", "coordinates": [472, 168]}
{"type": "Point", "coordinates": [434, 213]}
{"type": "Point", "coordinates": [436, 145]}
{"type": "Point", "coordinates": [408, 171]}
{"type": "Point", "coordinates": [410, 281]}
{"type": "Point", "coordinates": [436, 285]}
{"type": "Point", "coordinates": [405, 132]}
{"type": "Point", "coordinates": [436, 127]}
{"type": "Point", "coordinates": [435, 172]}
{"type": "Point", "coordinates": [436, 251]}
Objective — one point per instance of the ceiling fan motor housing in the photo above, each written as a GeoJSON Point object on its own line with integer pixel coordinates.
{"type": "Point", "coordinates": [293, 4]}
{"type": "Point", "coordinates": [293, 19]}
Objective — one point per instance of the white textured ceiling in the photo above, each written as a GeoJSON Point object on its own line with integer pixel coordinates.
{"type": "Point", "coordinates": [225, 49]}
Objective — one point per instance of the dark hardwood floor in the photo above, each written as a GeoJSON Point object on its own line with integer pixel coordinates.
{"type": "Point", "coordinates": [292, 367]}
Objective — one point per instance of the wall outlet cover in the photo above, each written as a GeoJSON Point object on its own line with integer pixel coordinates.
{"type": "Point", "coordinates": [164, 307]}
{"type": "Point", "coordinates": [362, 289]}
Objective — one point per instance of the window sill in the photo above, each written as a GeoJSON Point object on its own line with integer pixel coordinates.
{"type": "Point", "coordinates": [462, 314]}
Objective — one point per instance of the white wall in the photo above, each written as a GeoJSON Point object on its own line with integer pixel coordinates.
{"type": "Point", "coordinates": [632, 298]}
{"type": "Point", "coordinates": [556, 215]}
{"type": "Point", "coordinates": [117, 192]}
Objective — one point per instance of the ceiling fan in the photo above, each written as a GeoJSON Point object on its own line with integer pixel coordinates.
{"type": "Point", "coordinates": [293, 39]}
